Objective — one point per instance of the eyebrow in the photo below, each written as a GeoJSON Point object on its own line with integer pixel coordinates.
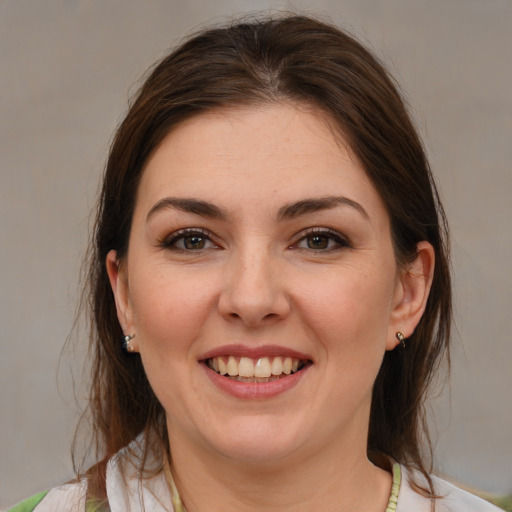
{"type": "Point", "coordinates": [291, 211]}
{"type": "Point", "coordinates": [196, 206]}
{"type": "Point", "coordinates": [287, 212]}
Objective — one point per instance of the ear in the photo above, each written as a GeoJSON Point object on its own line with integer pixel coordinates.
{"type": "Point", "coordinates": [411, 293]}
{"type": "Point", "coordinates": [118, 277]}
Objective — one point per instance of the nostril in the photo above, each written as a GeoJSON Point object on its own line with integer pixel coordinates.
{"type": "Point", "coordinates": [253, 320]}
{"type": "Point", "coordinates": [253, 303]}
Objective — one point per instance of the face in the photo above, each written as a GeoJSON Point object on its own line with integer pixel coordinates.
{"type": "Point", "coordinates": [261, 283]}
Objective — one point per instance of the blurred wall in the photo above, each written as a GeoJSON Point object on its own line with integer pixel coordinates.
{"type": "Point", "coordinates": [67, 69]}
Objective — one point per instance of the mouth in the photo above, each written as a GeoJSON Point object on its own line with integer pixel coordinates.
{"type": "Point", "coordinates": [256, 370]}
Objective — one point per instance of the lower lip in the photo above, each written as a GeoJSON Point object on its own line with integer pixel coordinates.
{"type": "Point", "coordinates": [253, 390]}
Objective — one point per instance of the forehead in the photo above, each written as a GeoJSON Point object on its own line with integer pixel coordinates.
{"type": "Point", "coordinates": [277, 151]}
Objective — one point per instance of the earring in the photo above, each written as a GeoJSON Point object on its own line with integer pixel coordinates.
{"type": "Point", "coordinates": [401, 338]}
{"type": "Point", "coordinates": [126, 343]}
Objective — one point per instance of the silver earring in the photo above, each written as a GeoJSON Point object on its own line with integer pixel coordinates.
{"type": "Point", "coordinates": [401, 338]}
{"type": "Point", "coordinates": [126, 343]}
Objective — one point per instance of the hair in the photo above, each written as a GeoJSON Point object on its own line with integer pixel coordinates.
{"type": "Point", "coordinates": [292, 59]}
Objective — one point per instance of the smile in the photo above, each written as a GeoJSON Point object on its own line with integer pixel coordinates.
{"type": "Point", "coordinates": [262, 369]}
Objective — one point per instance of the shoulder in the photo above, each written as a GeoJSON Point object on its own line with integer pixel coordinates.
{"type": "Point", "coordinates": [127, 488]}
{"type": "Point", "coordinates": [130, 488]}
{"type": "Point", "coordinates": [451, 498]}
{"type": "Point", "coordinates": [65, 498]}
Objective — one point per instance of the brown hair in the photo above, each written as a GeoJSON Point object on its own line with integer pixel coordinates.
{"type": "Point", "coordinates": [293, 59]}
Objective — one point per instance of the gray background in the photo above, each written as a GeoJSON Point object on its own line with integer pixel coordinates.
{"type": "Point", "coordinates": [67, 69]}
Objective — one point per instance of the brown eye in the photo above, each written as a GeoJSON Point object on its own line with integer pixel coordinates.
{"type": "Point", "coordinates": [194, 242]}
{"type": "Point", "coordinates": [321, 240]}
{"type": "Point", "coordinates": [317, 241]}
{"type": "Point", "coordinates": [189, 240]}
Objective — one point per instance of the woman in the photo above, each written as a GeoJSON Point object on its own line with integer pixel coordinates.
{"type": "Point", "coordinates": [270, 291]}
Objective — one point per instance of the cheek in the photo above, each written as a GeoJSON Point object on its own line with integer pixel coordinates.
{"type": "Point", "coordinates": [169, 311]}
{"type": "Point", "coordinates": [350, 311]}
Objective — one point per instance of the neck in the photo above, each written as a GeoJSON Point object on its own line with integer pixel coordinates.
{"type": "Point", "coordinates": [339, 478]}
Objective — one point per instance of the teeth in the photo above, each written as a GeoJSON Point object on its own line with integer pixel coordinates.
{"type": "Point", "coordinates": [246, 369]}
{"type": "Point", "coordinates": [287, 365]}
{"type": "Point", "coordinates": [262, 368]}
{"type": "Point", "coordinates": [277, 366]}
{"type": "Point", "coordinates": [232, 366]}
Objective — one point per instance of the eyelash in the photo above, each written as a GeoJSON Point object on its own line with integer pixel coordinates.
{"type": "Point", "coordinates": [171, 241]}
{"type": "Point", "coordinates": [328, 235]}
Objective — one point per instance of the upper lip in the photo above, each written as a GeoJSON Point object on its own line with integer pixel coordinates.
{"type": "Point", "coordinates": [238, 350]}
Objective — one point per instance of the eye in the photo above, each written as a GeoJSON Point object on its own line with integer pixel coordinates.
{"type": "Point", "coordinates": [190, 239]}
{"type": "Point", "coordinates": [321, 239]}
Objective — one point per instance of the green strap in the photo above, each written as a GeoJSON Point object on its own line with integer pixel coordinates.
{"type": "Point", "coordinates": [395, 489]}
{"type": "Point", "coordinates": [92, 505]}
{"type": "Point", "coordinates": [29, 504]}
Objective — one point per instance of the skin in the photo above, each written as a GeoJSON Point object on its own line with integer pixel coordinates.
{"type": "Point", "coordinates": [259, 279]}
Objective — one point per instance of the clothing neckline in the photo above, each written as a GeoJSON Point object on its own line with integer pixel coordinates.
{"type": "Point", "coordinates": [391, 506]}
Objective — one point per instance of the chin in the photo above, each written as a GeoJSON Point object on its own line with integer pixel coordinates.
{"type": "Point", "coordinates": [257, 442]}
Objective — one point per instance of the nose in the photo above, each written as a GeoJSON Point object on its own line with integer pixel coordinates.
{"type": "Point", "coordinates": [254, 292]}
